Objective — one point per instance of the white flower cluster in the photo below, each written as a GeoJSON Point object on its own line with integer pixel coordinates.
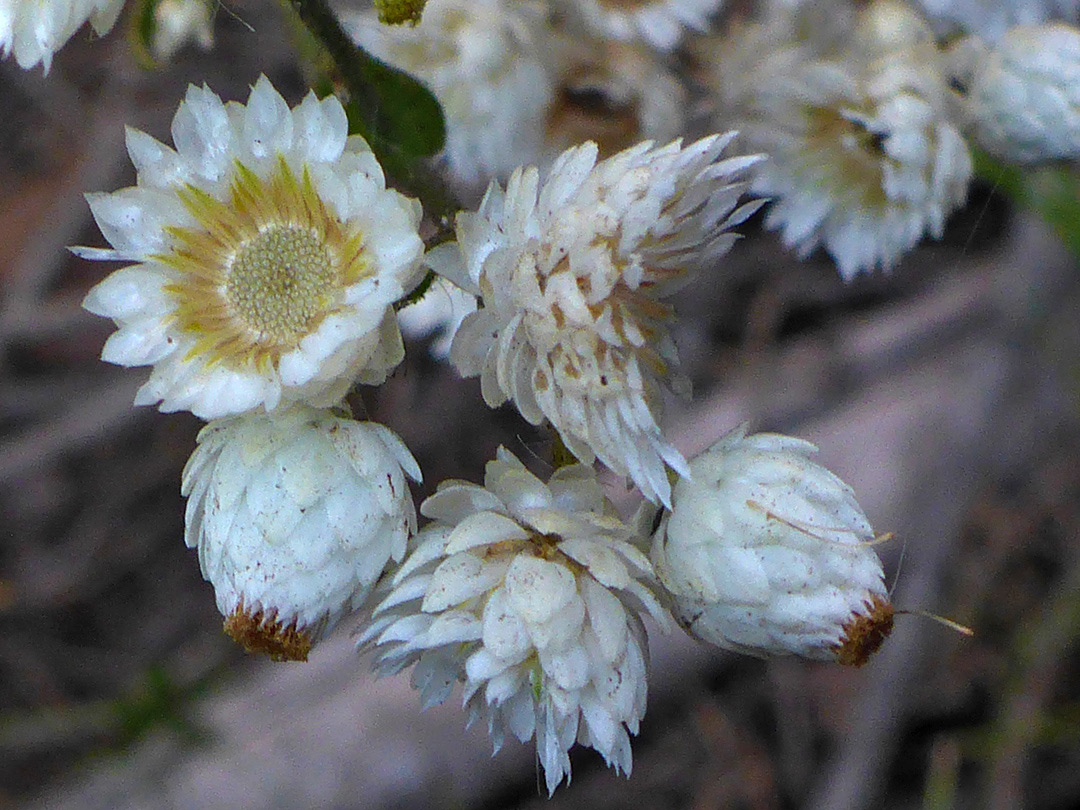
{"type": "Point", "coordinates": [856, 107]}
{"type": "Point", "coordinates": [268, 257]}
{"type": "Point", "coordinates": [532, 595]}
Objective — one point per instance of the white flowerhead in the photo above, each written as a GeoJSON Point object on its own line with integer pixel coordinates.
{"type": "Point", "coordinates": [484, 61]}
{"type": "Point", "coordinates": [572, 273]}
{"type": "Point", "coordinates": [767, 553]}
{"type": "Point", "coordinates": [660, 23]}
{"type": "Point", "coordinates": [531, 594]}
{"type": "Point", "coordinates": [269, 254]}
{"type": "Point", "coordinates": [865, 158]}
{"type": "Point", "coordinates": [36, 29]}
{"type": "Point", "coordinates": [295, 514]}
{"type": "Point", "coordinates": [1023, 94]}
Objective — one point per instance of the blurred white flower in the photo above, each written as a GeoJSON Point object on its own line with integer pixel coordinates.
{"type": "Point", "coordinates": [990, 19]}
{"type": "Point", "coordinates": [572, 273]}
{"type": "Point", "coordinates": [753, 57]}
{"type": "Point", "coordinates": [36, 29]}
{"type": "Point", "coordinates": [179, 23]}
{"type": "Point", "coordinates": [532, 595]}
{"type": "Point", "coordinates": [484, 60]}
{"type": "Point", "coordinates": [295, 514]}
{"type": "Point", "coordinates": [269, 255]}
{"type": "Point", "coordinates": [865, 158]}
{"type": "Point", "coordinates": [767, 553]}
{"type": "Point", "coordinates": [660, 23]}
{"type": "Point", "coordinates": [1023, 94]}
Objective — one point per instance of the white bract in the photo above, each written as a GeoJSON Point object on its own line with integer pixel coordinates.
{"type": "Point", "coordinates": [484, 61]}
{"type": "Point", "coordinates": [865, 158]}
{"type": "Point", "coordinates": [269, 254]}
{"type": "Point", "coordinates": [660, 23]}
{"type": "Point", "coordinates": [767, 553]}
{"type": "Point", "coordinates": [34, 30]}
{"type": "Point", "coordinates": [295, 514]}
{"type": "Point", "coordinates": [572, 273]}
{"type": "Point", "coordinates": [1023, 94]}
{"type": "Point", "coordinates": [532, 595]}
{"type": "Point", "coordinates": [439, 313]}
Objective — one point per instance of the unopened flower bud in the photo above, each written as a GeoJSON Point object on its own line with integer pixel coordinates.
{"type": "Point", "coordinates": [295, 514]}
{"type": "Point", "coordinates": [399, 12]}
{"type": "Point", "coordinates": [767, 553]}
{"type": "Point", "coordinates": [1023, 97]}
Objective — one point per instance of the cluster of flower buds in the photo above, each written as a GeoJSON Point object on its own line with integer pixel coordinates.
{"type": "Point", "coordinates": [267, 256]}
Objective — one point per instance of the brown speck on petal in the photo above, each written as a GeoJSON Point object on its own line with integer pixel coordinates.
{"type": "Point", "coordinates": [865, 634]}
{"type": "Point", "coordinates": [261, 633]}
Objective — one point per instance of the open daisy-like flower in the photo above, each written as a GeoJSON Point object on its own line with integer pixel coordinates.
{"type": "Point", "coordinates": [270, 253]}
{"type": "Point", "coordinates": [572, 276]}
{"type": "Point", "coordinates": [34, 30]}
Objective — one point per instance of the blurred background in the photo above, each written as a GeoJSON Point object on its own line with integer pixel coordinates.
{"type": "Point", "coordinates": [947, 393]}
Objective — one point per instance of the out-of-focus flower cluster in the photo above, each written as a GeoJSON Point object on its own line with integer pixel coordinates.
{"type": "Point", "coordinates": [856, 104]}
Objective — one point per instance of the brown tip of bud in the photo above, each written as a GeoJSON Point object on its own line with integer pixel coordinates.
{"type": "Point", "coordinates": [865, 634]}
{"type": "Point", "coordinates": [261, 633]}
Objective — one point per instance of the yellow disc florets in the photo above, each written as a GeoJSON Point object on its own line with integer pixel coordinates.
{"type": "Point", "coordinates": [277, 282]}
{"type": "Point", "coordinates": [261, 270]}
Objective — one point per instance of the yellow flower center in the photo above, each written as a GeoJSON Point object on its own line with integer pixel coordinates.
{"type": "Point", "coordinates": [277, 282]}
{"type": "Point", "coordinates": [261, 270]}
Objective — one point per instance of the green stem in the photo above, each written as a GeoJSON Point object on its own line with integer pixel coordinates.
{"type": "Point", "coordinates": [396, 114]}
{"type": "Point", "coordinates": [358, 69]}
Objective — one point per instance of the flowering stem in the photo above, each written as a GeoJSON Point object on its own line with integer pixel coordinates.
{"type": "Point", "coordinates": [398, 115]}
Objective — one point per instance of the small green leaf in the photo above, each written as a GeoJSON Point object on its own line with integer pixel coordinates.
{"type": "Point", "coordinates": [394, 112]}
{"type": "Point", "coordinates": [406, 114]}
